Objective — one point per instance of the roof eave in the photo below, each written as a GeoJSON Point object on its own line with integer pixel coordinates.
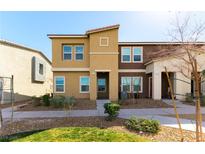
{"type": "Point", "coordinates": [102, 29]}
{"type": "Point", "coordinates": [51, 36]}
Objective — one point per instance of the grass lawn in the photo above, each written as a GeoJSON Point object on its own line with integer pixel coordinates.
{"type": "Point", "coordinates": [26, 127]}
{"type": "Point", "coordinates": [186, 116]}
{"type": "Point", "coordinates": [82, 134]}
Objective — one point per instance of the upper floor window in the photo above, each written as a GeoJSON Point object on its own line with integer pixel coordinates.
{"type": "Point", "coordinates": [137, 54]}
{"type": "Point", "coordinates": [84, 84]}
{"type": "Point", "coordinates": [126, 54]}
{"type": "Point", "coordinates": [67, 52]}
{"type": "Point", "coordinates": [59, 84]}
{"type": "Point", "coordinates": [104, 41]}
{"type": "Point", "coordinates": [79, 50]}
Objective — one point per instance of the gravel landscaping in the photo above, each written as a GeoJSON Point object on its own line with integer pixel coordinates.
{"type": "Point", "coordinates": [166, 134]}
{"type": "Point", "coordinates": [143, 103]}
{"type": "Point", "coordinates": [80, 104]}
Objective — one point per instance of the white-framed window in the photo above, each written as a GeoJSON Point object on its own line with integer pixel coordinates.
{"type": "Point", "coordinates": [126, 84]}
{"type": "Point", "coordinates": [132, 84]}
{"type": "Point", "coordinates": [137, 54]}
{"type": "Point", "coordinates": [59, 84]}
{"type": "Point", "coordinates": [84, 84]}
{"type": "Point", "coordinates": [101, 85]}
{"type": "Point", "coordinates": [137, 84]}
{"type": "Point", "coordinates": [79, 52]}
{"type": "Point", "coordinates": [104, 41]}
{"type": "Point", "coordinates": [67, 52]}
{"type": "Point", "coordinates": [126, 54]}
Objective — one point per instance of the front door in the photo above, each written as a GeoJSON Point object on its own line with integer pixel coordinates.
{"type": "Point", "coordinates": [102, 86]}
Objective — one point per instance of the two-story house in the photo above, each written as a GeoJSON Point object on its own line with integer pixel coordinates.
{"type": "Point", "coordinates": [95, 65]}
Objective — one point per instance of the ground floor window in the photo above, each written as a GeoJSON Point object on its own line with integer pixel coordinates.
{"type": "Point", "coordinates": [137, 84]}
{"type": "Point", "coordinates": [84, 84]}
{"type": "Point", "coordinates": [59, 84]}
{"type": "Point", "coordinates": [126, 84]}
{"type": "Point", "coordinates": [131, 84]}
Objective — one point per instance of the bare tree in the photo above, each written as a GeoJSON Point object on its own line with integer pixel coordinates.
{"type": "Point", "coordinates": [187, 34]}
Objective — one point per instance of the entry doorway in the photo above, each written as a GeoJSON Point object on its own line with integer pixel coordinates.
{"type": "Point", "coordinates": [150, 87]}
{"type": "Point", "coordinates": [102, 85]}
{"type": "Point", "coordinates": [165, 85]}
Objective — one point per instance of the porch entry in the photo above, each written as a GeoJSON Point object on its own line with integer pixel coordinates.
{"type": "Point", "coordinates": [102, 85]}
{"type": "Point", "coordinates": [165, 86]}
{"type": "Point", "coordinates": [150, 87]}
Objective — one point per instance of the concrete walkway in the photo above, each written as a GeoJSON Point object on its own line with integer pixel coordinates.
{"type": "Point", "coordinates": [153, 113]}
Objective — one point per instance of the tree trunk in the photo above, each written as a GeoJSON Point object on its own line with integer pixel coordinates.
{"type": "Point", "coordinates": [199, 132]}
{"type": "Point", "coordinates": [174, 104]}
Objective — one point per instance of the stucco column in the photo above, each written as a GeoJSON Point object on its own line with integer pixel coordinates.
{"type": "Point", "coordinates": [93, 86]}
{"type": "Point", "coordinates": [157, 85]}
{"type": "Point", "coordinates": [182, 87]}
{"type": "Point", "coordinates": [113, 85]}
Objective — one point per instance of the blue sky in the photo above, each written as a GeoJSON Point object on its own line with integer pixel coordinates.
{"type": "Point", "coordinates": [31, 28]}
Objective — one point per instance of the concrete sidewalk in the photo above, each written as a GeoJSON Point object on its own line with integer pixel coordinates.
{"type": "Point", "coordinates": [153, 113]}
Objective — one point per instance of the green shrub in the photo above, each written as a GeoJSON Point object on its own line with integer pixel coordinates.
{"type": "Point", "coordinates": [46, 100]}
{"type": "Point", "coordinates": [112, 109]}
{"type": "Point", "coordinates": [144, 125]}
{"type": "Point", "coordinates": [69, 102]}
{"type": "Point", "coordinates": [189, 97]}
{"type": "Point", "coordinates": [57, 101]}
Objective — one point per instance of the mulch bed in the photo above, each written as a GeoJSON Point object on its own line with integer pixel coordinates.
{"type": "Point", "coordinates": [80, 104]}
{"type": "Point", "coordinates": [143, 103]}
{"type": "Point", "coordinates": [167, 134]}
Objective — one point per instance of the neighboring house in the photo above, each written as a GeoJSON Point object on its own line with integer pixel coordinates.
{"type": "Point", "coordinates": [95, 65]}
{"type": "Point", "coordinates": [31, 71]}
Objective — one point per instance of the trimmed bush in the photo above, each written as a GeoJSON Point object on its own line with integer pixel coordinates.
{"type": "Point", "coordinates": [112, 109]}
{"type": "Point", "coordinates": [46, 100]}
{"type": "Point", "coordinates": [57, 101]}
{"type": "Point", "coordinates": [144, 125]}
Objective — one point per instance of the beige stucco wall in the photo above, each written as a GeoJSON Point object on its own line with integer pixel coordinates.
{"type": "Point", "coordinates": [57, 53]}
{"type": "Point", "coordinates": [113, 41]}
{"type": "Point", "coordinates": [173, 65]}
{"type": "Point", "coordinates": [72, 84]}
{"type": "Point", "coordinates": [105, 58]}
{"type": "Point", "coordinates": [18, 62]}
